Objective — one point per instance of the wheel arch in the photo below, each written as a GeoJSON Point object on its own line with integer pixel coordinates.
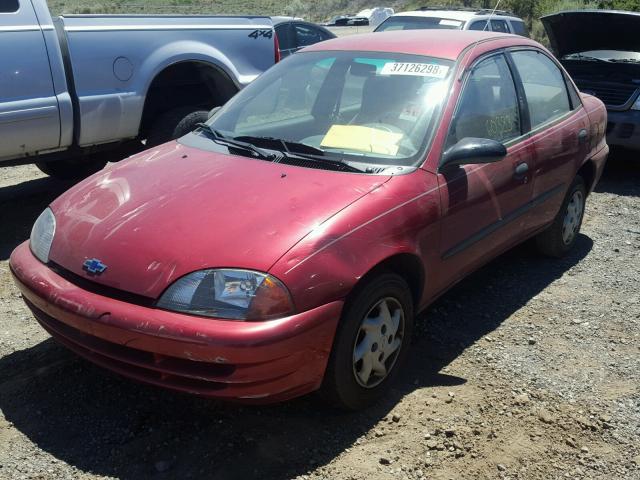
{"type": "Point", "coordinates": [407, 265]}
{"type": "Point", "coordinates": [588, 173]}
{"type": "Point", "coordinates": [200, 81]}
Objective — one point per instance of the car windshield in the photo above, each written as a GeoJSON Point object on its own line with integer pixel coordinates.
{"type": "Point", "coordinates": [605, 56]}
{"type": "Point", "coordinates": [403, 22]}
{"type": "Point", "coordinates": [348, 106]}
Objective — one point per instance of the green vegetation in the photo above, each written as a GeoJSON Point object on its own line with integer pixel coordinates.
{"type": "Point", "coordinates": [320, 10]}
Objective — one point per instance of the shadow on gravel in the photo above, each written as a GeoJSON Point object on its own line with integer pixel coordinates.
{"type": "Point", "coordinates": [106, 425]}
{"type": "Point", "coordinates": [20, 205]}
{"type": "Point", "coordinates": [621, 175]}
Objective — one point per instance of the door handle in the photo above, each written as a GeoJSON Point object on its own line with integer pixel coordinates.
{"type": "Point", "coordinates": [582, 135]}
{"type": "Point", "coordinates": [521, 170]}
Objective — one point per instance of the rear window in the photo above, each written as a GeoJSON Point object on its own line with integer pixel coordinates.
{"type": "Point", "coordinates": [519, 28]}
{"type": "Point", "coordinates": [419, 23]}
{"type": "Point", "coordinates": [9, 6]}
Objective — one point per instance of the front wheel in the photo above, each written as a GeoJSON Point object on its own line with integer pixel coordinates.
{"type": "Point", "coordinates": [371, 343]}
{"type": "Point", "coordinates": [174, 124]}
{"type": "Point", "coordinates": [562, 234]}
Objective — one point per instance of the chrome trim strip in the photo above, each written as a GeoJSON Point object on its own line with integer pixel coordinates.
{"type": "Point", "coordinates": [19, 28]}
{"type": "Point", "coordinates": [112, 28]}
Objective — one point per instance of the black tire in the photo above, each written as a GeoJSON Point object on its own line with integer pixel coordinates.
{"type": "Point", "coordinates": [551, 241]}
{"type": "Point", "coordinates": [73, 169]}
{"type": "Point", "coordinates": [174, 124]}
{"type": "Point", "coordinates": [340, 386]}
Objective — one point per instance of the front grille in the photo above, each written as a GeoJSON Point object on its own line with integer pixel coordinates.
{"type": "Point", "coordinates": [99, 289]}
{"type": "Point", "coordinates": [612, 94]}
{"type": "Point", "coordinates": [164, 370]}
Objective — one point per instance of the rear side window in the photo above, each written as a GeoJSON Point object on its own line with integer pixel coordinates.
{"type": "Point", "coordinates": [499, 26]}
{"type": "Point", "coordinates": [481, 25]}
{"type": "Point", "coordinates": [544, 86]}
{"type": "Point", "coordinates": [9, 6]}
{"type": "Point", "coordinates": [519, 28]}
{"type": "Point", "coordinates": [488, 107]}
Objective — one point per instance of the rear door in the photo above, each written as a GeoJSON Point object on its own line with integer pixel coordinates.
{"type": "Point", "coordinates": [559, 129]}
{"type": "Point", "coordinates": [485, 206]}
{"type": "Point", "coordinates": [29, 118]}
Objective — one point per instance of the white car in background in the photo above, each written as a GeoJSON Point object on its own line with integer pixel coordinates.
{"type": "Point", "coordinates": [455, 19]}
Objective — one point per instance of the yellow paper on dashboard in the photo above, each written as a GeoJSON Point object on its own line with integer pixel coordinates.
{"type": "Point", "coordinates": [364, 139]}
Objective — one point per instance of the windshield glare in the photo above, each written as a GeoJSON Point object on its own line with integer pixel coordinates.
{"type": "Point", "coordinates": [368, 107]}
{"type": "Point", "coordinates": [403, 22]}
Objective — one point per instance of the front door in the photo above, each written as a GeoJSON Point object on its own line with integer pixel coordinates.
{"type": "Point", "coordinates": [485, 206]}
{"type": "Point", "coordinates": [29, 119]}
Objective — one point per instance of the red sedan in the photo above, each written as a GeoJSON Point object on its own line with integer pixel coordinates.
{"type": "Point", "coordinates": [289, 242]}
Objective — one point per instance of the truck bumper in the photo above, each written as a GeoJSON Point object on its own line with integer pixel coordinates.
{"type": "Point", "coordinates": [623, 129]}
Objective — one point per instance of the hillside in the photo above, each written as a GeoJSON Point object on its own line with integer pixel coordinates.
{"type": "Point", "coordinates": [320, 10]}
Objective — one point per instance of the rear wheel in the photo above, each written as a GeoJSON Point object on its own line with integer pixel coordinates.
{"type": "Point", "coordinates": [72, 169]}
{"type": "Point", "coordinates": [174, 124]}
{"type": "Point", "coordinates": [562, 234]}
{"type": "Point", "coordinates": [371, 343]}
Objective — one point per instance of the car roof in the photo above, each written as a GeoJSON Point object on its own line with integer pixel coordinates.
{"type": "Point", "coordinates": [282, 19]}
{"type": "Point", "coordinates": [463, 15]}
{"type": "Point", "coordinates": [447, 44]}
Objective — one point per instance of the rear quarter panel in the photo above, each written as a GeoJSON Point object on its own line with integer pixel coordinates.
{"type": "Point", "coordinates": [111, 107]}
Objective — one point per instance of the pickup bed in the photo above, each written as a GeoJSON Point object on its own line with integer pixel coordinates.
{"type": "Point", "coordinates": [79, 90]}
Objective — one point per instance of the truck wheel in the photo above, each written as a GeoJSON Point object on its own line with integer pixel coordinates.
{"type": "Point", "coordinates": [174, 124]}
{"type": "Point", "coordinates": [371, 343]}
{"type": "Point", "coordinates": [561, 235]}
{"type": "Point", "coordinates": [72, 169]}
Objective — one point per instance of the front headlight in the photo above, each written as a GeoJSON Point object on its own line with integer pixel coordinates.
{"type": "Point", "coordinates": [230, 294]}
{"type": "Point", "coordinates": [42, 235]}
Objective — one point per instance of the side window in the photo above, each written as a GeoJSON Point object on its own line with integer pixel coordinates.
{"type": "Point", "coordinates": [9, 6]}
{"type": "Point", "coordinates": [307, 35]}
{"type": "Point", "coordinates": [544, 86]}
{"type": "Point", "coordinates": [488, 106]}
{"type": "Point", "coordinates": [285, 37]}
{"type": "Point", "coordinates": [519, 28]}
{"type": "Point", "coordinates": [481, 25]}
{"type": "Point", "coordinates": [499, 26]}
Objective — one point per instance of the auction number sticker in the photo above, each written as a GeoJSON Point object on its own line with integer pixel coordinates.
{"type": "Point", "coordinates": [416, 69]}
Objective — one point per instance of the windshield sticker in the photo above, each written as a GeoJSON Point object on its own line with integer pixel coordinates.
{"type": "Point", "coordinates": [363, 139]}
{"type": "Point", "coordinates": [415, 69]}
{"type": "Point", "coordinates": [450, 23]}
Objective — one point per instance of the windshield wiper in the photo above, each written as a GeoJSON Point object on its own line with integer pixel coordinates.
{"type": "Point", "coordinates": [218, 137]}
{"type": "Point", "coordinates": [292, 150]}
{"type": "Point", "coordinates": [284, 145]}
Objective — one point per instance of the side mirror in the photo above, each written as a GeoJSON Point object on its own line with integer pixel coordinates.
{"type": "Point", "coordinates": [212, 112]}
{"type": "Point", "coordinates": [472, 150]}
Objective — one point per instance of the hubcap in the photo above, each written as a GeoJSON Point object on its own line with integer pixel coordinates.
{"type": "Point", "coordinates": [378, 342]}
{"type": "Point", "coordinates": [573, 217]}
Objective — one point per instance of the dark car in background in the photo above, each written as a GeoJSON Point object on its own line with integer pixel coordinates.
{"type": "Point", "coordinates": [601, 51]}
{"type": "Point", "coordinates": [294, 34]}
{"type": "Point", "coordinates": [347, 21]}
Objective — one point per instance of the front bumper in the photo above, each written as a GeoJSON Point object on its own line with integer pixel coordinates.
{"type": "Point", "coordinates": [623, 128]}
{"type": "Point", "coordinates": [256, 362]}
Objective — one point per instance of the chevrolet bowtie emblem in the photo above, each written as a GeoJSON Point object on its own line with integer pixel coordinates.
{"type": "Point", "coordinates": [94, 266]}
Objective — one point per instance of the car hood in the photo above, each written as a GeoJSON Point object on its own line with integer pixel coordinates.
{"type": "Point", "coordinates": [585, 30]}
{"type": "Point", "coordinates": [176, 209]}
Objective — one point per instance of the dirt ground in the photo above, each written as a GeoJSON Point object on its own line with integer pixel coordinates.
{"type": "Point", "coordinates": [528, 369]}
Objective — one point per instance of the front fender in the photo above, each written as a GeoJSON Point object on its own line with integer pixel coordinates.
{"type": "Point", "coordinates": [399, 217]}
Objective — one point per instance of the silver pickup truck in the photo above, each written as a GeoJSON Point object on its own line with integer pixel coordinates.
{"type": "Point", "coordinates": [79, 90]}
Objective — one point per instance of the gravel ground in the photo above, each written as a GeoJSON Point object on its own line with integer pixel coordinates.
{"type": "Point", "coordinates": [528, 369]}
